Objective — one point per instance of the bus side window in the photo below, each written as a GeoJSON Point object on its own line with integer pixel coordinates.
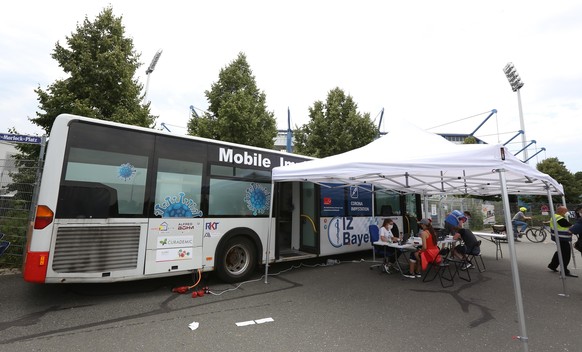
{"type": "Point", "coordinates": [87, 200]}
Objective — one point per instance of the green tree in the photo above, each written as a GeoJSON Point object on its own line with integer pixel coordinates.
{"type": "Point", "coordinates": [334, 127]}
{"type": "Point", "coordinates": [100, 64]}
{"type": "Point", "coordinates": [557, 169]}
{"type": "Point", "coordinates": [470, 140]}
{"type": "Point", "coordinates": [237, 109]}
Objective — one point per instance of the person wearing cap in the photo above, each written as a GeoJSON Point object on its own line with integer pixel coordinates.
{"type": "Point", "coordinates": [519, 220]}
{"type": "Point", "coordinates": [454, 222]}
{"type": "Point", "coordinates": [429, 240]}
{"type": "Point", "coordinates": [565, 237]}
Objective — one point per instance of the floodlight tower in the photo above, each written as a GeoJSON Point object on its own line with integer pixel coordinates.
{"type": "Point", "coordinates": [150, 69]}
{"type": "Point", "coordinates": [516, 84]}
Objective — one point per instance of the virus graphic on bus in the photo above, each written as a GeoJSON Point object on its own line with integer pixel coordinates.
{"type": "Point", "coordinates": [175, 207]}
{"type": "Point", "coordinates": [257, 199]}
{"type": "Point", "coordinates": [126, 171]}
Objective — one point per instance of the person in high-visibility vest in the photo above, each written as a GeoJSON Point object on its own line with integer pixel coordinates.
{"type": "Point", "coordinates": [565, 238]}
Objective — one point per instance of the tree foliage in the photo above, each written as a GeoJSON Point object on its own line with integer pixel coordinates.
{"type": "Point", "coordinates": [237, 109]}
{"type": "Point", "coordinates": [100, 64]}
{"type": "Point", "coordinates": [557, 169]}
{"type": "Point", "coordinates": [470, 140]}
{"type": "Point", "coordinates": [334, 127]}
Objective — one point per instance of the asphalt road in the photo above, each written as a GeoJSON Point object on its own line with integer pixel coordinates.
{"type": "Point", "coordinates": [342, 307]}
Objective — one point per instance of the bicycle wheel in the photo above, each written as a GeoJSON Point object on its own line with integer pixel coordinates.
{"type": "Point", "coordinates": [544, 232]}
{"type": "Point", "coordinates": [535, 235]}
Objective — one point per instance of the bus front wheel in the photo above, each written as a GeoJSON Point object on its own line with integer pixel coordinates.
{"type": "Point", "coordinates": [237, 261]}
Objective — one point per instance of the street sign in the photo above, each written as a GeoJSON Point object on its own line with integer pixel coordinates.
{"type": "Point", "coordinates": [19, 138]}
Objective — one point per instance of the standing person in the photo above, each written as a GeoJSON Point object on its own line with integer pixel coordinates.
{"type": "Point", "coordinates": [389, 233]}
{"type": "Point", "coordinates": [565, 238]}
{"type": "Point", "coordinates": [519, 220]}
{"type": "Point", "coordinates": [576, 229]}
{"type": "Point", "coordinates": [468, 216]}
{"type": "Point", "coordinates": [454, 222]}
{"type": "Point", "coordinates": [429, 240]}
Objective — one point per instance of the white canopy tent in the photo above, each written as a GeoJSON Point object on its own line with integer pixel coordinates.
{"type": "Point", "coordinates": [409, 159]}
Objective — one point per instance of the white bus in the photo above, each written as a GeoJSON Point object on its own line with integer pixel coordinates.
{"type": "Point", "coordinates": [119, 202]}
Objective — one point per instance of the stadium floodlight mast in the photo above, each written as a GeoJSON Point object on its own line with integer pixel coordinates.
{"type": "Point", "coordinates": [150, 69]}
{"type": "Point", "coordinates": [516, 84]}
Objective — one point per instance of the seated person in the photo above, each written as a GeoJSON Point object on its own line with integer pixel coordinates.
{"type": "Point", "coordinates": [429, 240]}
{"type": "Point", "coordinates": [470, 245]}
{"type": "Point", "coordinates": [389, 233]}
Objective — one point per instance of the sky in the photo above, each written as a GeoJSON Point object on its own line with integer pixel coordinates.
{"type": "Point", "coordinates": [437, 64]}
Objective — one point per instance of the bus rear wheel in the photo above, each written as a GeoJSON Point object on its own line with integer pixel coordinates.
{"type": "Point", "coordinates": [237, 261]}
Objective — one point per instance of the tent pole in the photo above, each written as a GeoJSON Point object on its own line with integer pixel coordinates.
{"type": "Point", "coordinates": [374, 221]}
{"type": "Point", "coordinates": [514, 270]}
{"type": "Point", "coordinates": [268, 250]}
{"type": "Point", "coordinates": [426, 211]}
{"type": "Point", "coordinates": [558, 244]}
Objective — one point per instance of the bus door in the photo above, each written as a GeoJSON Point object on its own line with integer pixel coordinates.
{"type": "Point", "coordinates": [284, 215]}
{"type": "Point", "coordinates": [308, 217]}
{"type": "Point", "coordinates": [296, 234]}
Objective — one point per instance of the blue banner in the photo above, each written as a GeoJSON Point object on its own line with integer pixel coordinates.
{"type": "Point", "coordinates": [18, 138]}
{"type": "Point", "coordinates": [360, 200]}
{"type": "Point", "coordinates": [332, 200]}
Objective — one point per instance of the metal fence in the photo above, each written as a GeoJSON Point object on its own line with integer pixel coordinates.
{"type": "Point", "coordinates": [16, 199]}
{"type": "Point", "coordinates": [485, 213]}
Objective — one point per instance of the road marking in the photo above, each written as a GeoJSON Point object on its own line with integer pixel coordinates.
{"type": "Point", "coordinates": [253, 322]}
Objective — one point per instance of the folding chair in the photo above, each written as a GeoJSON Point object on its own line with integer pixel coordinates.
{"type": "Point", "coordinates": [375, 237]}
{"type": "Point", "coordinates": [460, 267]}
{"type": "Point", "coordinates": [474, 259]}
{"type": "Point", "coordinates": [439, 266]}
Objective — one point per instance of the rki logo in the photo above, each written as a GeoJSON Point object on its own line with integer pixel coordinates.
{"type": "Point", "coordinates": [212, 225]}
{"type": "Point", "coordinates": [326, 201]}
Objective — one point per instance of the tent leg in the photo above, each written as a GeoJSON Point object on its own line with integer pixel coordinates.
{"type": "Point", "coordinates": [514, 270]}
{"type": "Point", "coordinates": [268, 249]}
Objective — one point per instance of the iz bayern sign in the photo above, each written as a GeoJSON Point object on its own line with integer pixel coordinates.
{"type": "Point", "coordinates": [228, 155]}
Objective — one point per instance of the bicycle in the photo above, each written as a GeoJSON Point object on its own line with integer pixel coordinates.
{"type": "Point", "coordinates": [538, 234]}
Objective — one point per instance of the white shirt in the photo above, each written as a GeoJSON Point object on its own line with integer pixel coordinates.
{"type": "Point", "coordinates": [387, 234]}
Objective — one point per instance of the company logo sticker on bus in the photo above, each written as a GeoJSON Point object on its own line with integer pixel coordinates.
{"type": "Point", "coordinates": [211, 225]}
{"type": "Point", "coordinates": [163, 227]}
{"type": "Point", "coordinates": [186, 226]}
{"type": "Point", "coordinates": [326, 200]}
{"type": "Point", "coordinates": [175, 241]}
{"type": "Point", "coordinates": [173, 254]}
